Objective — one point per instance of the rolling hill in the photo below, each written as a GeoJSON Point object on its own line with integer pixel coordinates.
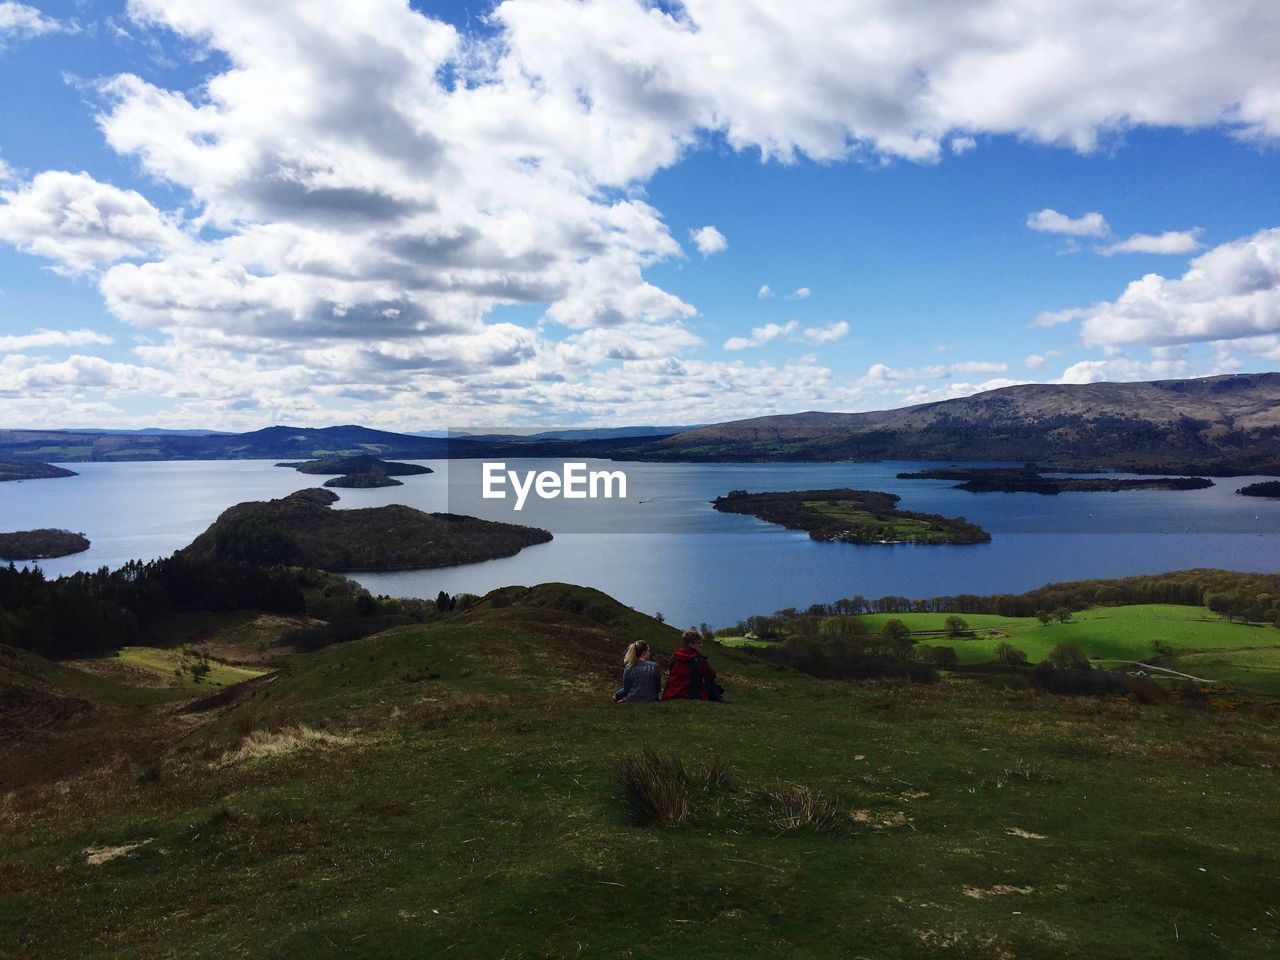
{"type": "Point", "coordinates": [452, 788]}
{"type": "Point", "coordinates": [1214, 424]}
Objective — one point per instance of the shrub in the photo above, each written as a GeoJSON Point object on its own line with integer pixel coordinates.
{"type": "Point", "coordinates": [1067, 656]}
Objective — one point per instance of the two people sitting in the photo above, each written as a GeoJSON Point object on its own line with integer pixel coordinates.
{"type": "Point", "coordinates": [689, 675]}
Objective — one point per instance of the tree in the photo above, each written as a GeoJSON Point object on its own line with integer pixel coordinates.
{"type": "Point", "coordinates": [1062, 614]}
{"type": "Point", "coordinates": [1009, 655]}
{"type": "Point", "coordinates": [1044, 616]}
{"type": "Point", "coordinates": [940, 658]}
{"type": "Point", "coordinates": [897, 636]}
{"type": "Point", "coordinates": [956, 625]}
{"type": "Point", "coordinates": [1067, 656]}
{"type": "Point", "coordinates": [659, 617]}
{"type": "Point", "coordinates": [444, 603]}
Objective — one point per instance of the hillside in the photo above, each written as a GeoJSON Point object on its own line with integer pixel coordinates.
{"type": "Point", "coordinates": [452, 788]}
{"type": "Point", "coordinates": [1215, 424]}
{"type": "Point", "coordinates": [301, 530]}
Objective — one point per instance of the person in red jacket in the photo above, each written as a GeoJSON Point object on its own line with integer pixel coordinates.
{"type": "Point", "coordinates": [691, 677]}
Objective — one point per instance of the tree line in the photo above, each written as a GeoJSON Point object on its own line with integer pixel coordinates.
{"type": "Point", "coordinates": [1251, 597]}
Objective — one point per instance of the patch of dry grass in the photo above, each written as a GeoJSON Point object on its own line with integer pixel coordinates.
{"type": "Point", "coordinates": [267, 744]}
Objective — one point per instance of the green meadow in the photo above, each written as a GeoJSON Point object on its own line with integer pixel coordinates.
{"type": "Point", "coordinates": [1186, 639]}
{"type": "Point", "coordinates": [452, 789]}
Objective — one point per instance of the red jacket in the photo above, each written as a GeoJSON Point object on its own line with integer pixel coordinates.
{"type": "Point", "coordinates": [690, 674]}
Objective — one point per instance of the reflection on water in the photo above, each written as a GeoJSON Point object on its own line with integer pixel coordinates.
{"type": "Point", "coordinates": [667, 550]}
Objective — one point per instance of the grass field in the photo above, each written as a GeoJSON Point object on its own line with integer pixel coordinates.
{"type": "Point", "coordinates": [450, 790]}
{"type": "Point", "coordinates": [1203, 643]}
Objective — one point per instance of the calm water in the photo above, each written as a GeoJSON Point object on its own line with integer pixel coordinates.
{"type": "Point", "coordinates": [666, 550]}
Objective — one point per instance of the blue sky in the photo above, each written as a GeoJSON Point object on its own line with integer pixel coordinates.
{"type": "Point", "coordinates": [459, 213]}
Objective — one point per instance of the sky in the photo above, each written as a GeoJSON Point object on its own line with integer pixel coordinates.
{"type": "Point", "coordinates": [609, 212]}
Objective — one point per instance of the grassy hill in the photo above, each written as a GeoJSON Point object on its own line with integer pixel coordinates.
{"type": "Point", "coordinates": [451, 789]}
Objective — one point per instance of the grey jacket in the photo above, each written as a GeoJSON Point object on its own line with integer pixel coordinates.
{"type": "Point", "coordinates": [641, 683]}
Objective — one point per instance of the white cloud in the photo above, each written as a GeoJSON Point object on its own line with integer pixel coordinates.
{"type": "Point", "coordinates": [1171, 241]}
{"type": "Point", "coordinates": [764, 293]}
{"type": "Point", "coordinates": [365, 189]}
{"type": "Point", "coordinates": [828, 334]}
{"type": "Point", "coordinates": [81, 224]}
{"type": "Point", "coordinates": [38, 339]}
{"type": "Point", "coordinates": [1125, 370]}
{"type": "Point", "coordinates": [1227, 293]}
{"type": "Point", "coordinates": [709, 240]}
{"type": "Point", "coordinates": [761, 335]}
{"type": "Point", "coordinates": [1051, 221]}
{"type": "Point", "coordinates": [961, 145]}
{"type": "Point", "coordinates": [1034, 361]}
{"type": "Point", "coordinates": [881, 374]}
{"type": "Point", "coordinates": [800, 293]}
{"type": "Point", "coordinates": [792, 331]}
{"type": "Point", "coordinates": [17, 20]}
{"type": "Point", "coordinates": [1053, 318]}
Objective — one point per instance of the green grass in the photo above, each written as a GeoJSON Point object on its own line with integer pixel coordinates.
{"type": "Point", "coordinates": [175, 667]}
{"type": "Point", "coordinates": [475, 814]}
{"type": "Point", "coordinates": [1110, 633]}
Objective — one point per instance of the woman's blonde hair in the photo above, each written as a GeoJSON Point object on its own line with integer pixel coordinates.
{"type": "Point", "coordinates": [634, 652]}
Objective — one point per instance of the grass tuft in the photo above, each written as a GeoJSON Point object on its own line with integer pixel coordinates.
{"type": "Point", "coordinates": [655, 788]}
{"type": "Point", "coordinates": [792, 806]}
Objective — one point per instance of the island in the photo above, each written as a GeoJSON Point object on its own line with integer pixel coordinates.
{"type": "Point", "coordinates": [354, 466]}
{"type": "Point", "coordinates": [1029, 479]}
{"type": "Point", "coordinates": [851, 516]}
{"type": "Point", "coordinates": [32, 470]}
{"type": "Point", "coordinates": [301, 530]}
{"type": "Point", "coordinates": [364, 481]}
{"type": "Point", "coordinates": [1268, 488]}
{"type": "Point", "coordinates": [42, 544]}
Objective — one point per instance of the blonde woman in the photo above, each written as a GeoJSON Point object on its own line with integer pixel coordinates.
{"type": "Point", "coordinates": [641, 677]}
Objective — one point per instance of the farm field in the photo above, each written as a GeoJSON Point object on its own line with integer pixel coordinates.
{"type": "Point", "coordinates": [1192, 638]}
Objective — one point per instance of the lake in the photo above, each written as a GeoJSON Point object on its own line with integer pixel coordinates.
{"type": "Point", "coordinates": [665, 550]}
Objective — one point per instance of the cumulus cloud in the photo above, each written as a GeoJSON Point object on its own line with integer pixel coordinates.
{"type": "Point", "coordinates": [1091, 224]}
{"type": "Point", "coordinates": [19, 21]}
{"type": "Point", "coordinates": [800, 293]}
{"type": "Point", "coordinates": [1171, 241]}
{"type": "Point", "coordinates": [764, 293]}
{"type": "Point", "coordinates": [80, 224]}
{"type": "Point", "coordinates": [1227, 293]}
{"type": "Point", "coordinates": [365, 189]}
{"type": "Point", "coordinates": [790, 330]}
{"type": "Point", "coordinates": [1034, 361]}
{"type": "Point", "coordinates": [761, 335]}
{"type": "Point", "coordinates": [709, 240]}
{"type": "Point", "coordinates": [38, 339]}
{"type": "Point", "coordinates": [1125, 370]}
{"type": "Point", "coordinates": [828, 334]}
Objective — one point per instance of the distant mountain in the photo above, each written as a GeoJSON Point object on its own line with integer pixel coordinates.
{"type": "Point", "coordinates": [1227, 424]}
{"type": "Point", "coordinates": [1213, 425]}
